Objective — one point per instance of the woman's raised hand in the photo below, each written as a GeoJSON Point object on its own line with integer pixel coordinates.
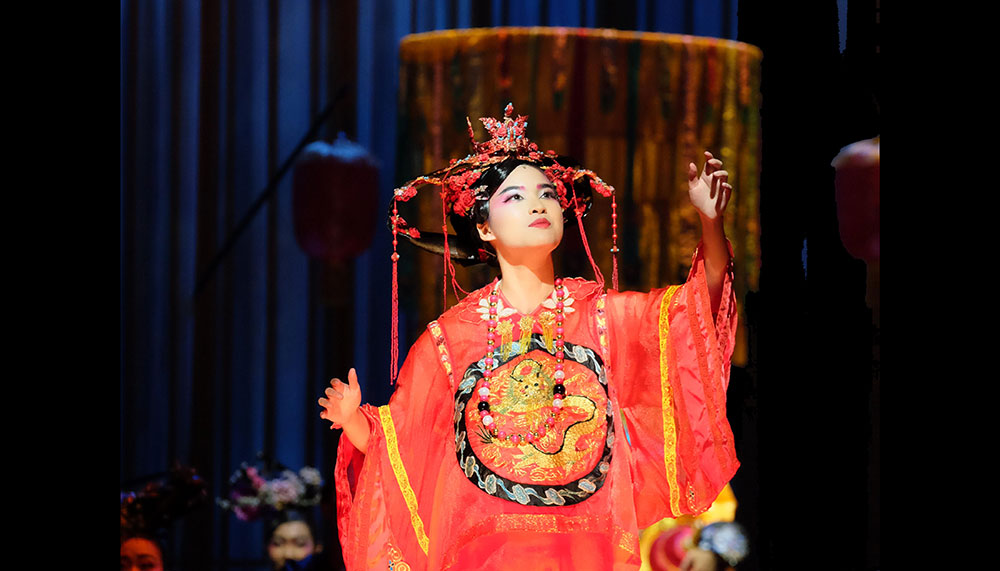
{"type": "Point", "coordinates": [710, 191]}
{"type": "Point", "coordinates": [342, 400]}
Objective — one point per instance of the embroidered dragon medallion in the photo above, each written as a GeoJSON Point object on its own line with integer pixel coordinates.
{"type": "Point", "coordinates": [565, 461]}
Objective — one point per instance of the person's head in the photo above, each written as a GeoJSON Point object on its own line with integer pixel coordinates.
{"type": "Point", "coordinates": [291, 538]}
{"type": "Point", "coordinates": [140, 553]}
{"type": "Point", "coordinates": [518, 210]}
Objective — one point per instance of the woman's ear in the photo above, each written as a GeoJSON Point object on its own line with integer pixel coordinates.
{"type": "Point", "coordinates": [485, 234]}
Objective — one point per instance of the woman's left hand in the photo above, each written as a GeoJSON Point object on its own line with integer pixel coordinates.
{"type": "Point", "coordinates": [710, 191]}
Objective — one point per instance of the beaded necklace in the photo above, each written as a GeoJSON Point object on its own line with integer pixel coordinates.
{"type": "Point", "coordinates": [489, 419]}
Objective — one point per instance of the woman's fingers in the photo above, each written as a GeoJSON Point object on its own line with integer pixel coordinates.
{"type": "Point", "coordinates": [337, 390]}
{"type": "Point", "coordinates": [727, 191]}
{"type": "Point", "coordinates": [712, 164]}
{"type": "Point", "coordinates": [352, 379]}
{"type": "Point", "coordinates": [323, 414]}
{"type": "Point", "coordinates": [340, 386]}
{"type": "Point", "coordinates": [718, 179]}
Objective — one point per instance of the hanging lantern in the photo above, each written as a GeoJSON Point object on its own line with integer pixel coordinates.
{"type": "Point", "coordinates": [334, 200]}
{"type": "Point", "coordinates": [857, 190]}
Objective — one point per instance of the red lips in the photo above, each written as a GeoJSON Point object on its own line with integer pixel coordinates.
{"type": "Point", "coordinates": [540, 223]}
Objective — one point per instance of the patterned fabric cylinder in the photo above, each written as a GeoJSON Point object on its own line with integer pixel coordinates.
{"type": "Point", "coordinates": [634, 107]}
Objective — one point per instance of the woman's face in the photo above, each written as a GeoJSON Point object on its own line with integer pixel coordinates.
{"type": "Point", "coordinates": [141, 554]}
{"type": "Point", "coordinates": [524, 213]}
{"type": "Point", "coordinates": [291, 540]}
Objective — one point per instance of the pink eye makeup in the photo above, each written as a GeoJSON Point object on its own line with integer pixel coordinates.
{"type": "Point", "coordinates": [511, 192]}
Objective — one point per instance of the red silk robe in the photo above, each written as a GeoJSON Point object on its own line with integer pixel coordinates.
{"type": "Point", "coordinates": [643, 435]}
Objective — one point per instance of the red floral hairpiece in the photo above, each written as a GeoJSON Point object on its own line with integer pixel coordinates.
{"type": "Point", "coordinates": [507, 139]}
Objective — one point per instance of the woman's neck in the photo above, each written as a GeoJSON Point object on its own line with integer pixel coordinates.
{"type": "Point", "coordinates": [526, 285]}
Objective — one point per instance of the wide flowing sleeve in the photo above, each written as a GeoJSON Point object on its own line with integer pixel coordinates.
{"type": "Point", "coordinates": [385, 496]}
{"type": "Point", "coordinates": [670, 362]}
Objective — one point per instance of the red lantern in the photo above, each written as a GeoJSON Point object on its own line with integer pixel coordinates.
{"type": "Point", "coordinates": [334, 200]}
{"type": "Point", "coordinates": [857, 190]}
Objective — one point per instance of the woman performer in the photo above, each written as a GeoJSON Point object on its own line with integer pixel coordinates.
{"type": "Point", "coordinates": [541, 422]}
{"type": "Point", "coordinates": [284, 499]}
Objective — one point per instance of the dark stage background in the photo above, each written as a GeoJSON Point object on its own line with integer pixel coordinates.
{"type": "Point", "coordinates": [216, 94]}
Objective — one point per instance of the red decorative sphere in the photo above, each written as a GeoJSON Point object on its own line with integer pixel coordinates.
{"type": "Point", "coordinates": [335, 200]}
{"type": "Point", "coordinates": [857, 190]}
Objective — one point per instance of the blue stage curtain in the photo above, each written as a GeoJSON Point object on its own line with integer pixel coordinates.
{"type": "Point", "coordinates": [215, 94]}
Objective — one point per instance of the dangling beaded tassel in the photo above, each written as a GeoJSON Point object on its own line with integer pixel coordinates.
{"type": "Point", "coordinates": [614, 243]}
{"type": "Point", "coordinates": [558, 390]}
{"type": "Point", "coordinates": [583, 236]}
{"type": "Point", "coordinates": [455, 286]}
{"type": "Point", "coordinates": [490, 365]}
{"type": "Point", "coordinates": [447, 252]}
{"type": "Point", "coordinates": [449, 266]}
{"type": "Point", "coordinates": [394, 344]}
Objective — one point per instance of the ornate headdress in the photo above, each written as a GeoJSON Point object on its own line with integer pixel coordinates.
{"type": "Point", "coordinates": [265, 490]}
{"type": "Point", "coordinates": [164, 498]}
{"type": "Point", "coordinates": [460, 190]}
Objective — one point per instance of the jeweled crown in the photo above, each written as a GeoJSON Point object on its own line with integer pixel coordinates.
{"type": "Point", "coordinates": [506, 136]}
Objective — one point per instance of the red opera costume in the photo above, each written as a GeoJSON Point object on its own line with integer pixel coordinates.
{"type": "Point", "coordinates": [539, 440]}
{"type": "Point", "coordinates": [640, 433]}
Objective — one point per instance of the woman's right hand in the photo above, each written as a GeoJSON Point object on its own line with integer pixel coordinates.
{"type": "Point", "coordinates": [342, 400]}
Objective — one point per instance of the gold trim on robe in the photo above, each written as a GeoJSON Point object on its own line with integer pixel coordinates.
{"type": "Point", "coordinates": [392, 447]}
{"type": "Point", "coordinates": [669, 427]}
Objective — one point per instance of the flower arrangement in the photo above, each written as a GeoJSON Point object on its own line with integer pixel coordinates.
{"type": "Point", "coordinates": [256, 492]}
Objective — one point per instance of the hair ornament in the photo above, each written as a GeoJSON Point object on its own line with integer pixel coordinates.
{"type": "Point", "coordinates": [268, 487]}
{"type": "Point", "coordinates": [162, 499]}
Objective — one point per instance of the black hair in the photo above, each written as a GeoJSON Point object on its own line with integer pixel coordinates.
{"type": "Point", "coordinates": [161, 500]}
{"type": "Point", "coordinates": [489, 182]}
{"type": "Point", "coordinates": [292, 514]}
{"type": "Point", "coordinates": [466, 247]}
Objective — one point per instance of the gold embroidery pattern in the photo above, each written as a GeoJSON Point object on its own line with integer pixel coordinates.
{"type": "Point", "coordinates": [545, 523]}
{"type": "Point", "coordinates": [577, 449]}
{"type": "Point", "coordinates": [667, 404]}
{"type": "Point", "coordinates": [548, 323]}
{"type": "Point", "coordinates": [442, 347]}
{"type": "Point", "coordinates": [692, 498]}
{"type": "Point", "coordinates": [506, 330]}
{"type": "Point", "coordinates": [602, 327]}
{"type": "Point", "coordinates": [396, 562]}
{"type": "Point", "coordinates": [523, 389]}
{"type": "Point", "coordinates": [527, 323]}
{"type": "Point", "coordinates": [392, 447]}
